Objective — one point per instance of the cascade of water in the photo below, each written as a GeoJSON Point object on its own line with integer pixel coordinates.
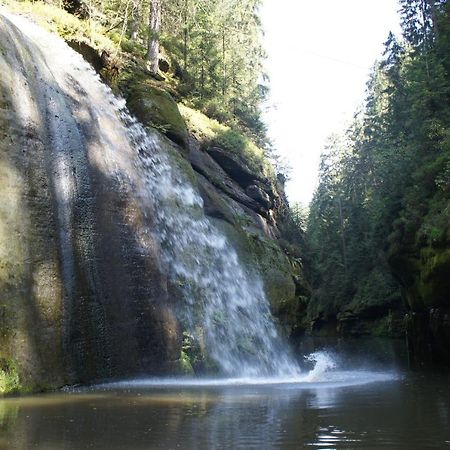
{"type": "Point", "coordinates": [229, 302]}
{"type": "Point", "coordinates": [240, 334]}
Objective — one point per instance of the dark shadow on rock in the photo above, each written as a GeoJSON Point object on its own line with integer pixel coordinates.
{"type": "Point", "coordinates": [90, 300]}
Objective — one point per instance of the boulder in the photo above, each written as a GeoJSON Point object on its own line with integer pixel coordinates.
{"type": "Point", "coordinates": [234, 167]}
{"type": "Point", "coordinates": [156, 108]}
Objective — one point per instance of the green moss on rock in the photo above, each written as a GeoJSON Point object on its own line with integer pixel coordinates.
{"type": "Point", "coordinates": [9, 377]}
{"type": "Point", "coordinates": [153, 106]}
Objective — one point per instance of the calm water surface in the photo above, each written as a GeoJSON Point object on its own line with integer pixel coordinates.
{"type": "Point", "coordinates": [343, 409]}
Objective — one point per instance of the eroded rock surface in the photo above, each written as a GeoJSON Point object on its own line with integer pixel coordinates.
{"type": "Point", "coordinates": [82, 298]}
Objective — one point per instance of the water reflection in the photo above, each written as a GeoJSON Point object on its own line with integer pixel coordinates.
{"type": "Point", "coordinates": [408, 413]}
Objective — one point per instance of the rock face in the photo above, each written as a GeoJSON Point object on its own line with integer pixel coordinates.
{"type": "Point", "coordinates": [423, 272]}
{"type": "Point", "coordinates": [249, 209]}
{"type": "Point", "coordinates": [154, 107]}
{"type": "Point", "coordinates": [247, 206]}
{"type": "Point", "coordinates": [84, 294]}
{"type": "Point", "coordinates": [80, 298]}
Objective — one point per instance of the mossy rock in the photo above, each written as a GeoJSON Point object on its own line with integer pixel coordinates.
{"type": "Point", "coordinates": [9, 377]}
{"type": "Point", "coordinates": [154, 107]}
{"type": "Point", "coordinates": [185, 364]}
{"type": "Point", "coordinates": [435, 270]}
{"type": "Point", "coordinates": [424, 277]}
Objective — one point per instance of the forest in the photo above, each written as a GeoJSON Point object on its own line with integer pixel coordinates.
{"type": "Point", "coordinates": [378, 228]}
{"type": "Point", "coordinates": [213, 47]}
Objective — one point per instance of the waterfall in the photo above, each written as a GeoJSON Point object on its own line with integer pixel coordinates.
{"type": "Point", "coordinates": [221, 300]}
{"type": "Point", "coordinates": [240, 334]}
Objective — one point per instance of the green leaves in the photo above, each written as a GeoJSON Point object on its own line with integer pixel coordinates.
{"type": "Point", "coordinates": [219, 42]}
{"type": "Point", "coordinates": [384, 185]}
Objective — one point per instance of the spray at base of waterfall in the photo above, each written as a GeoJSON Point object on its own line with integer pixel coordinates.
{"type": "Point", "coordinates": [324, 374]}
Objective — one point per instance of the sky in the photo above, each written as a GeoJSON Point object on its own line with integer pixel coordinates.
{"type": "Point", "coordinates": [320, 54]}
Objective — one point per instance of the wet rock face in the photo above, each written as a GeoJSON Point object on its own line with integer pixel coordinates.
{"type": "Point", "coordinates": [424, 276]}
{"type": "Point", "coordinates": [81, 285]}
{"type": "Point", "coordinates": [84, 290]}
{"type": "Point", "coordinates": [246, 208]}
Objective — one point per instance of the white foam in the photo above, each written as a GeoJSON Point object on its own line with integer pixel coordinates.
{"type": "Point", "coordinates": [323, 374]}
{"type": "Point", "coordinates": [332, 380]}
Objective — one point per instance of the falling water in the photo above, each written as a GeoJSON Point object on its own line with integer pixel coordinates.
{"type": "Point", "coordinates": [240, 334]}
{"type": "Point", "coordinates": [224, 304]}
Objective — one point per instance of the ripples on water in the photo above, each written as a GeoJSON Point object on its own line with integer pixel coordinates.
{"type": "Point", "coordinates": [330, 407]}
{"type": "Point", "coordinates": [391, 414]}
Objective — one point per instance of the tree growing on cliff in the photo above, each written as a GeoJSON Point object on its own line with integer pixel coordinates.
{"type": "Point", "coordinates": [154, 30]}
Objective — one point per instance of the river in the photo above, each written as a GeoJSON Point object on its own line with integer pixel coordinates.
{"type": "Point", "coordinates": [342, 408]}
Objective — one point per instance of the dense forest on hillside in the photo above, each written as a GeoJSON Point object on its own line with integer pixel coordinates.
{"type": "Point", "coordinates": [213, 46]}
{"type": "Point", "coordinates": [379, 221]}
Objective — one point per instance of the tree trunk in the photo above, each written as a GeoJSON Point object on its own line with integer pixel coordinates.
{"type": "Point", "coordinates": [153, 35]}
{"type": "Point", "coordinates": [136, 12]}
{"type": "Point", "coordinates": [224, 67]}
{"type": "Point", "coordinates": [185, 36]}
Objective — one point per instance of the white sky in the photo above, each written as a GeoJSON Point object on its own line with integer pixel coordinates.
{"type": "Point", "coordinates": [320, 53]}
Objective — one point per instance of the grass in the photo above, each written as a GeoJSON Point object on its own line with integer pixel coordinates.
{"type": "Point", "coordinates": [59, 21]}
{"type": "Point", "coordinates": [212, 133]}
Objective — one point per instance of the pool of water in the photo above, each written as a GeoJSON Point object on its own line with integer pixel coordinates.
{"type": "Point", "coordinates": [329, 408]}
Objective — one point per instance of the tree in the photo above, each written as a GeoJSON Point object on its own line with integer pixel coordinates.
{"type": "Point", "coordinates": [135, 13]}
{"type": "Point", "coordinates": [153, 35]}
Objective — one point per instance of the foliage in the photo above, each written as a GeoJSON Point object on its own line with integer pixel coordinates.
{"type": "Point", "coordinates": [9, 378]}
{"type": "Point", "coordinates": [212, 133]}
{"type": "Point", "coordinates": [384, 184]}
{"type": "Point", "coordinates": [218, 45]}
{"type": "Point", "coordinates": [70, 27]}
{"type": "Point", "coordinates": [214, 47]}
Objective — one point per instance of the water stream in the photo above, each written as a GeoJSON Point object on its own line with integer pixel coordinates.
{"type": "Point", "coordinates": [226, 301]}
{"type": "Point", "coordinates": [223, 304]}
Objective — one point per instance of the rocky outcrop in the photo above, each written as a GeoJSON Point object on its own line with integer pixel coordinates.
{"type": "Point", "coordinates": [153, 106]}
{"type": "Point", "coordinates": [215, 174]}
{"type": "Point", "coordinates": [82, 286]}
{"type": "Point", "coordinates": [247, 207]}
{"type": "Point", "coordinates": [423, 274]}
{"type": "Point", "coordinates": [82, 298]}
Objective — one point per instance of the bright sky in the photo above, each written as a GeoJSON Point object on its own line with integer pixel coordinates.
{"type": "Point", "coordinates": [319, 58]}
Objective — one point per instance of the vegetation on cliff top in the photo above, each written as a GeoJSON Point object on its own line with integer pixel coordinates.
{"type": "Point", "coordinates": [210, 59]}
{"type": "Point", "coordinates": [383, 202]}
{"type": "Point", "coordinates": [211, 52]}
